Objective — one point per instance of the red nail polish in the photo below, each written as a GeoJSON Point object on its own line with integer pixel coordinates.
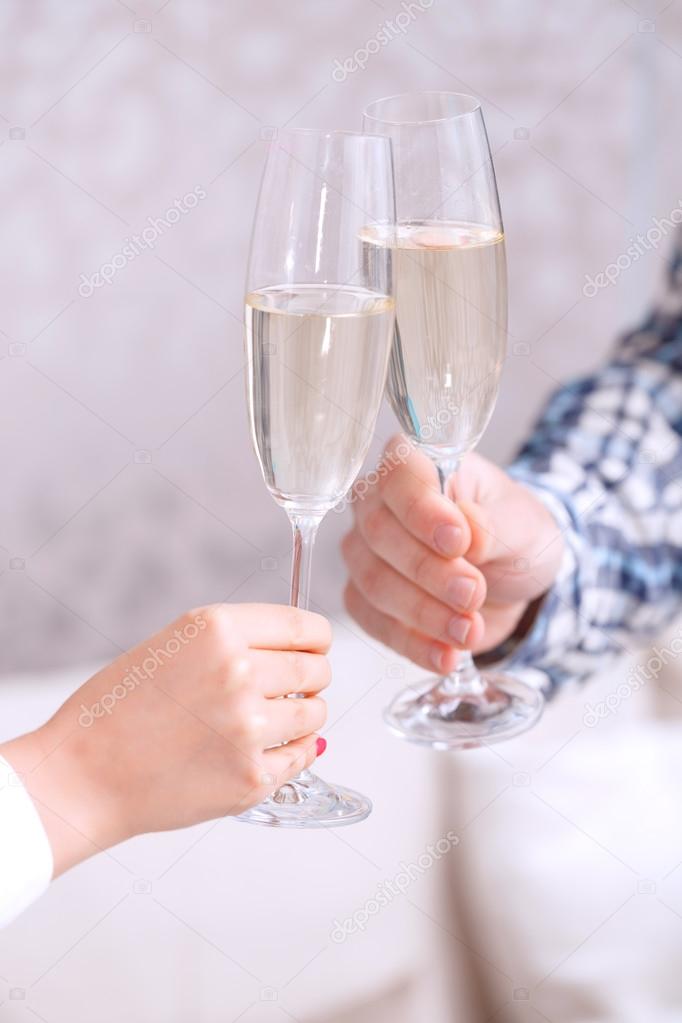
{"type": "Point", "coordinates": [320, 746]}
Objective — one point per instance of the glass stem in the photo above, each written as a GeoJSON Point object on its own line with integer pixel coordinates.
{"type": "Point", "coordinates": [465, 678]}
{"type": "Point", "coordinates": [305, 530]}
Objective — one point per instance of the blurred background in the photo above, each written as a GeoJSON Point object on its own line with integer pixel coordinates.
{"type": "Point", "coordinates": [131, 490]}
{"type": "Point", "coordinates": [132, 493]}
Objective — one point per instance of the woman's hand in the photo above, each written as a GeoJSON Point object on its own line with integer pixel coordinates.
{"type": "Point", "coordinates": [180, 729]}
{"type": "Point", "coordinates": [429, 577]}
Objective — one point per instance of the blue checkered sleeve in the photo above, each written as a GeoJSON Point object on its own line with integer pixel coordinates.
{"type": "Point", "coordinates": [606, 457]}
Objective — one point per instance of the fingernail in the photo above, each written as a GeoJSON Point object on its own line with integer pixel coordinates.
{"type": "Point", "coordinates": [320, 746]}
{"type": "Point", "coordinates": [436, 658]}
{"type": "Point", "coordinates": [460, 592]}
{"type": "Point", "coordinates": [448, 539]}
{"type": "Point", "coordinates": [458, 628]}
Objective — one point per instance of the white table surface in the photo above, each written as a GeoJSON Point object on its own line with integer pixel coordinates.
{"type": "Point", "coordinates": [567, 878]}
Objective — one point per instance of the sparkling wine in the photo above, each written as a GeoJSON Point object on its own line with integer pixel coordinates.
{"type": "Point", "coordinates": [451, 328]}
{"type": "Point", "coordinates": [317, 369]}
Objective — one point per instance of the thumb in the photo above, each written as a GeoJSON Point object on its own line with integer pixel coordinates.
{"type": "Point", "coordinates": [511, 529]}
{"type": "Point", "coordinates": [493, 508]}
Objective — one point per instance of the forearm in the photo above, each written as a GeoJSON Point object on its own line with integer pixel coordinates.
{"type": "Point", "coordinates": [604, 460]}
{"type": "Point", "coordinates": [48, 770]}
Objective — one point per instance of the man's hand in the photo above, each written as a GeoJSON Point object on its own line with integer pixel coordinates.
{"type": "Point", "coordinates": [429, 577]}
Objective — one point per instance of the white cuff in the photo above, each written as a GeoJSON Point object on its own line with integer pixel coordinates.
{"type": "Point", "coordinates": [26, 863]}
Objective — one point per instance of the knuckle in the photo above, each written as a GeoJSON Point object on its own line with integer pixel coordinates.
{"type": "Point", "coordinates": [374, 524]}
{"type": "Point", "coordinates": [298, 666]}
{"type": "Point", "coordinates": [252, 774]}
{"type": "Point", "coordinates": [421, 567]}
{"type": "Point", "coordinates": [319, 626]}
{"type": "Point", "coordinates": [297, 628]}
{"type": "Point", "coordinates": [219, 625]}
{"type": "Point", "coordinates": [311, 672]}
{"type": "Point", "coordinates": [301, 715]}
{"type": "Point", "coordinates": [308, 715]}
{"type": "Point", "coordinates": [415, 649]}
{"type": "Point", "coordinates": [480, 594]}
{"type": "Point", "coordinates": [413, 512]}
{"type": "Point", "coordinates": [191, 618]}
{"type": "Point", "coordinates": [324, 672]}
{"type": "Point", "coordinates": [247, 721]}
{"type": "Point", "coordinates": [236, 664]}
{"type": "Point", "coordinates": [396, 637]}
{"type": "Point", "coordinates": [422, 612]}
{"type": "Point", "coordinates": [251, 730]}
{"type": "Point", "coordinates": [318, 714]}
{"type": "Point", "coordinates": [369, 580]}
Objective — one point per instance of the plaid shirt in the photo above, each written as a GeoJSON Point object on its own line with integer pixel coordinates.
{"type": "Point", "coordinates": [606, 457]}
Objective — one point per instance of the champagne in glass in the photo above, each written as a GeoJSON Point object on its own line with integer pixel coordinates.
{"type": "Point", "coordinates": [452, 337]}
{"type": "Point", "coordinates": [318, 339]}
{"type": "Point", "coordinates": [318, 359]}
{"type": "Point", "coordinates": [450, 283]}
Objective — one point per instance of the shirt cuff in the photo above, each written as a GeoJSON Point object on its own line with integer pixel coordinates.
{"type": "Point", "coordinates": [26, 864]}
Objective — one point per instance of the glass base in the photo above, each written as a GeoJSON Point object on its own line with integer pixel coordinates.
{"type": "Point", "coordinates": [440, 714]}
{"type": "Point", "coordinates": [309, 802]}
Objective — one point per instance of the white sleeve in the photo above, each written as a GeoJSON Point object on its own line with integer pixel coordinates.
{"type": "Point", "coordinates": [26, 863]}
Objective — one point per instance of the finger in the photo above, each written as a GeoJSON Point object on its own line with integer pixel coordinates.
{"type": "Point", "coordinates": [455, 581]}
{"type": "Point", "coordinates": [412, 492]}
{"type": "Point", "coordinates": [289, 719]}
{"type": "Point", "coordinates": [423, 650]}
{"type": "Point", "coordinates": [278, 672]}
{"type": "Point", "coordinates": [286, 762]}
{"type": "Point", "coordinates": [399, 598]}
{"type": "Point", "coordinates": [276, 767]}
{"type": "Point", "coordinates": [274, 626]}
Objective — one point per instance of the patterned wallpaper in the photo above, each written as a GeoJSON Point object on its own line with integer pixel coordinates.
{"type": "Point", "coordinates": [129, 489]}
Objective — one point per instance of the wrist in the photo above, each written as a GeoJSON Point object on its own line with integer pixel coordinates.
{"type": "Point", "coordinates": [55, 775]}
{"type": "Point", "coordinates": [525, 621]}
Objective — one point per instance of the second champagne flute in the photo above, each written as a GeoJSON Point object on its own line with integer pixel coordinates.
{"type": "Point", "coordinates": [450, 341]}
{"type": "Point", "coordinates": [318, 338]}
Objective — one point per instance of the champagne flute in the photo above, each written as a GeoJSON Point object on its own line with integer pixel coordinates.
{"type": "Point", "coordinates": [450, 283]}
{"type": "Point", "coordinates": [318, 339]}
